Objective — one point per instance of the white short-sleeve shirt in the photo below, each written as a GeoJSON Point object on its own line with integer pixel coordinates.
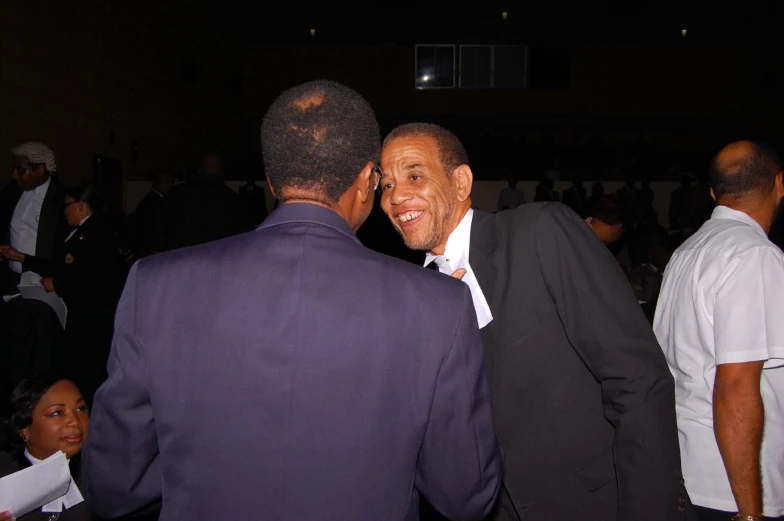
{"type": "Point", "coordinates": [722, 301]}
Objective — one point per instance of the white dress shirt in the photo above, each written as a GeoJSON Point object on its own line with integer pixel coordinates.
{"type": "Point", "coordinates": [24, 223]}
{"type": "Point", "coordinates": [722, 301]}
{"type": "Point", "coordinates": [72, 497]}
{"type": "Point", "coordinates": [455, 257]}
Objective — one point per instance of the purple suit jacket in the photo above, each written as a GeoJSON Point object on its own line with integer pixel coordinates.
{"type": "Point", "coordinates": [290, 373]}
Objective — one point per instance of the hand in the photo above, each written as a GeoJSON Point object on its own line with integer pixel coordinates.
{"type": "Point", "coordinates": [6, 516]}
{"type": "Point", "coordinates": [12, 254]}
{"type": "Point", "coordinates": [458, 274]}
{"type": "Point", "coordinates": [48, 285]}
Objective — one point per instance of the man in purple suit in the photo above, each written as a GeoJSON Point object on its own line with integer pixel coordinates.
{"type": "Point", "coordinates": [290, 373]}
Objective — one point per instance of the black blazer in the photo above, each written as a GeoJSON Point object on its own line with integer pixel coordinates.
{"type": "Point", "coordinates": [87, 269]}
{"type": "Point", "coordinates": [583, 398]}
{"type": "Point", "coordinates": [52, 226]}
{"type": "Point", "coordinates": [14, 462]}
{"type": "Point", "coordinates": [199, 211]}
{"type": "Point", "coordinates": [145, 220]}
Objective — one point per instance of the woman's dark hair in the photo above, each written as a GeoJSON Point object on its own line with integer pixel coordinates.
{"type": "Point", "coordinates": [24, 399]}
{"type": "Point", "coordinates": [85, 193]}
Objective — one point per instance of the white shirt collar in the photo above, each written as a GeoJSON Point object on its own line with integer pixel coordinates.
{"type": "Point", "coordinates": [455, 257]}
{"type": "Point", "coordinates": [725, 212]}
{"type": "Point", "coordinates": [72, 497]}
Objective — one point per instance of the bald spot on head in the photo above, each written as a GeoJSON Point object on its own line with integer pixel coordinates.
{"type": "Point", "coordinates": [307, 102]}
{"type": "Point", "coordinates": [743, 169]}
{"type": "Point", "coordinates": [732, 158]}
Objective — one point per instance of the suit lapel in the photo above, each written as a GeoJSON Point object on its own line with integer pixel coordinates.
{"type": "Point", "coordinates": [480, 257]}
{"type": "Point", "coordinates": [47, 222]}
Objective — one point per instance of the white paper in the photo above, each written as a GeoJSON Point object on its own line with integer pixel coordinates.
{"type": "Point", "coordinates": [31, 288]}
{"type": "Point", "coordinates": [33, 487]}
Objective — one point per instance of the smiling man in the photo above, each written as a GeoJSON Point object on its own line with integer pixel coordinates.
{"type": "Point", "coordinates": [583, 398]}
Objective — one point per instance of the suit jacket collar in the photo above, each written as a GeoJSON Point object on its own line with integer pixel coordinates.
{"type": "Point", "coordinates": [308, 213]}
{"type": "Point", "coordinates": [484, 243]}
{"type": "Point", "coordinates": [86, 226]}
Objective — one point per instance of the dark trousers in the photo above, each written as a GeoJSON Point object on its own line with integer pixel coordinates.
{"type": "Point", "coordinates": [708, 514]}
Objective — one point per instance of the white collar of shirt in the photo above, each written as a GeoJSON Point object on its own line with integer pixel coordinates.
{"type": "Point", "coordinates": [455, 257]}
{"type": "Point", "coordinates": [725, 212]}
{"type": "Point", "coordinates": [76, 229]}
{"type": "Point", "coordinates": [71, 498]}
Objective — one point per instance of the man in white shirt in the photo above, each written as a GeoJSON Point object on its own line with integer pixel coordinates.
{"type": "Point", "coordinates": [720, 321]}
{"type": "Point", "coordinates": [582, 395]}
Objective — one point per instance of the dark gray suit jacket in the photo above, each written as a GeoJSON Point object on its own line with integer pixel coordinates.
{"type": "Point", "coordinates": [584, 402]}
{"type": "Point", "coordinates": [290, 373]}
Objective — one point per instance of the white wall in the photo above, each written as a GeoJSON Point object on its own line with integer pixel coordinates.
{"type": "Point", "coordinates": [485, 194]}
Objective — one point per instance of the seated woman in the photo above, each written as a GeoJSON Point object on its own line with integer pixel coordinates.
{"type": "Point", "coordinates": [48, 414]}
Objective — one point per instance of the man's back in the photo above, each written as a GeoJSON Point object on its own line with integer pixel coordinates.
{"type": "Point", "coordinates": [146, 221]}
{"type": "Point", "coordinates": [199, 211]}
{"type": "Point", "coordinates": [305, 377]}
{"type": "Point", "coordinates": [714, 308]}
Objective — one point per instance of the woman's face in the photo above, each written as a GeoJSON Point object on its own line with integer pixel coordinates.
{"type": "Point", "coordinates": [60, 422]}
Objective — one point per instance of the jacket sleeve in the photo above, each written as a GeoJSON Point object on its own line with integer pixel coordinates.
{"type": "Point", "coordinates": [609, 331]}
{"type": "Point", "coordinates": [459, 467]}
{"type": "Point", "coordinates": [43, 267]}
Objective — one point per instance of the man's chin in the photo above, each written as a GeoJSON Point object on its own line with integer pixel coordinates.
{"type": "Point", "coordinates": [418, 245]}
{"type": "Point", "coordinates": [413, 246]}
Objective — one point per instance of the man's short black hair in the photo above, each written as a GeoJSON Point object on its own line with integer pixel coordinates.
{"type": "Point", "coordinates": [451, 152]}
{"type": "Point", "coordinates": [753, 173]}
{"type": "Point", "coordinates": [317, 137]}
{"type": "Point", "coordinates": [612, 213]}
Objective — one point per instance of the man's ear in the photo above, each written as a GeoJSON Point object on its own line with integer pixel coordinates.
{"type": "Point", "coordinates": [366, 182]}
{"type": "Point", "coordinates": [713, 194]}
{"type": "Point", "coordinates": [463, 179]}
{"type": "Point", "coordinates": [272, 188]}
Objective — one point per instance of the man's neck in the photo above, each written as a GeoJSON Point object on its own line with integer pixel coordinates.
{"type": "Point", "coordinates": [45, 181]}
{"type": "Point", "coordinates": [751, 208]}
